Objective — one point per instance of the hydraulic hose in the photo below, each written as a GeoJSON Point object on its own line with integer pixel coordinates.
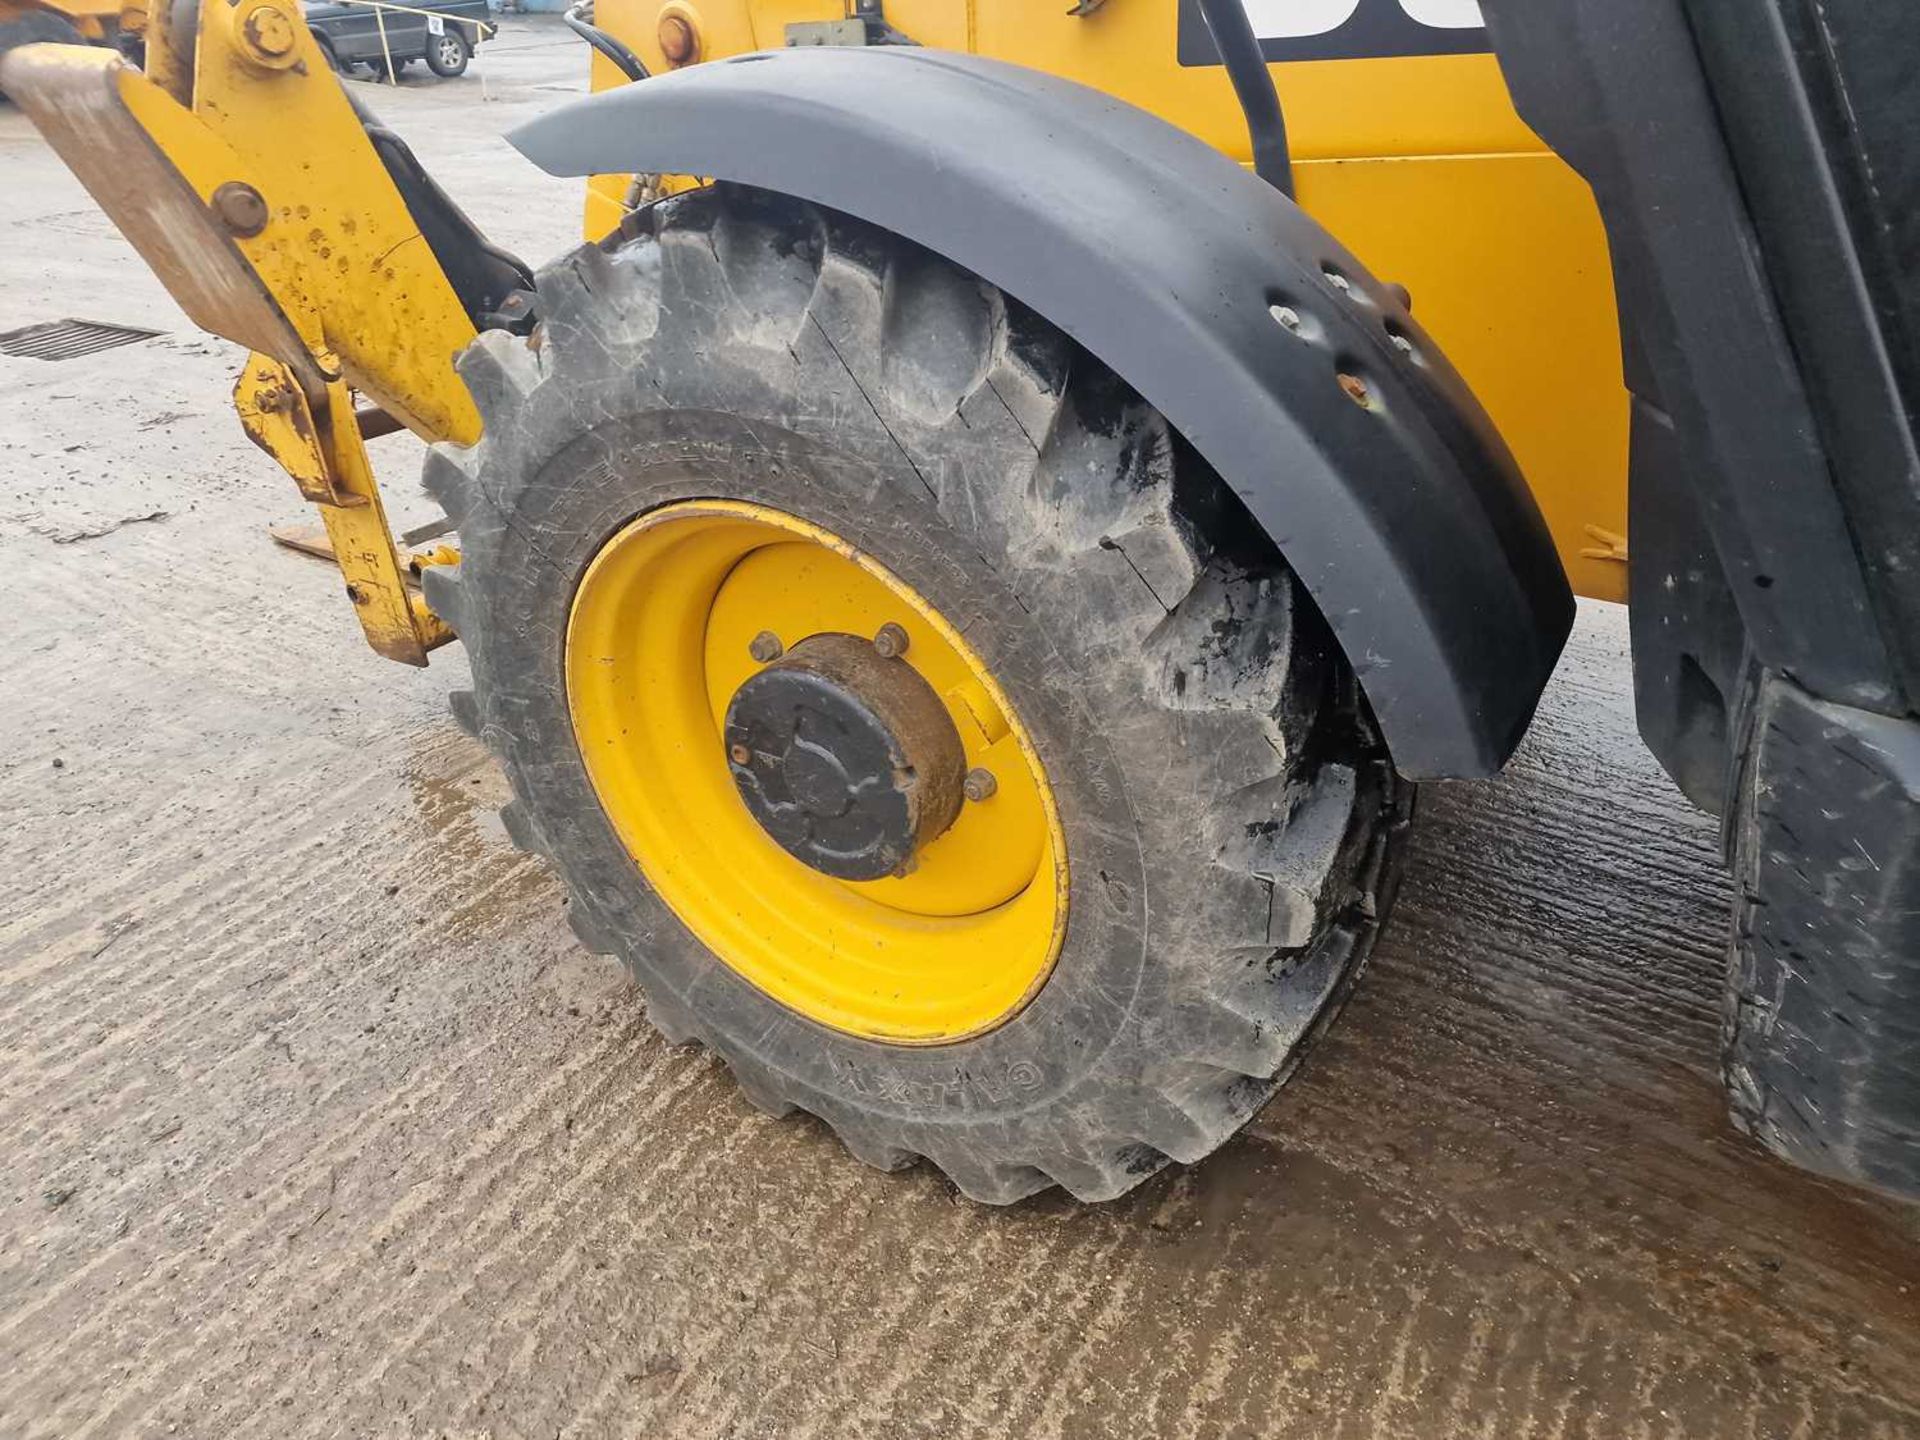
{"type": "Point", "coordinates": [579, 19]}
{"type": "Point", "coordinates": [1227, 21]}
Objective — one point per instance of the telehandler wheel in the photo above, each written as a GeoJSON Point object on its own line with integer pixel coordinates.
{"type": "Point", "coordinates": [930, 733]}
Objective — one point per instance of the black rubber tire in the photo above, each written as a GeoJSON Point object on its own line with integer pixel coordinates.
{"type": "Point", "coordinates": [447, 54]}
{"type": "Point", "coordinates": [1821, 1059]}
{"type": "Point", "coordinates": [1229, 810]}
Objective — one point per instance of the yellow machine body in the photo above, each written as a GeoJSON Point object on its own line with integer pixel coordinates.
{"type": "Point", "coordinates": [1417, 163]}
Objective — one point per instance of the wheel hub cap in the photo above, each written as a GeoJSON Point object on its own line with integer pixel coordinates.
{"type": "Point", "coordinates": [845, 757]}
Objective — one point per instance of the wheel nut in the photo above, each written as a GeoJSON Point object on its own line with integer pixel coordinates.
{"type": "Point", "coordinates": [765, 647]}
{"type": "Point", "coordinates": [739, 754]}
{"type": "Point", "coordinates": [979, 784]}
{"type": "Point", "coordinates": [890, 640]}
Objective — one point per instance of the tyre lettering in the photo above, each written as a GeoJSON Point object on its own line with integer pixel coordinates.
{"type": "Point", "coordinates": [964, 1088]}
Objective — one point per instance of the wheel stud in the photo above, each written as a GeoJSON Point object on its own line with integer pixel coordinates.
{"type": "Point", "coordinates": [979, 784]}
{"type": "Point", "coordinates": [890, 640]}
{"type": "Point", "coordinates": [765, 647]}
{"type": "Point", "coordinates": [739, 754]}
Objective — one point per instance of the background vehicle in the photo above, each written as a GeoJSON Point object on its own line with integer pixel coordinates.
{"type": "Point", "coordinates": [354, 32]}
{"type": "Point", "coordinates": [72, 22]}
{"type": "Point", "coordinates": [1126, 546]}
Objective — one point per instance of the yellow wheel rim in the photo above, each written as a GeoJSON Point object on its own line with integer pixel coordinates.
{"type": "Point", "coordinates": [658, 641]}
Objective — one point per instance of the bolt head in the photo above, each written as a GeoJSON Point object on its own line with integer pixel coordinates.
{"type": "Point", "coordinates": [268, 32]}
{"type": "Point", "coordinates": [979, 784]}
{"type": "Point", "coordinates": [739, 754]}
{"type": "Point", "coordinates": [766, 647]}
{"type": "Point", "coordinates": [890, 640]}
{"type": "Point", "coordinates": [241, 208]}
{"type": "Point", "coordinates": [679, 44]}
{"type": "Point", "coordinates": [1286, 317]}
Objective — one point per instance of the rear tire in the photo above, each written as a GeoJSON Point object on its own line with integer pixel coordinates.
{"type": "Point", "coordinates": [1824, 819]}
{"type": "Point", "coordinates": [1229, 811]}
{"type": "Point", "coordinates": [447, 54]}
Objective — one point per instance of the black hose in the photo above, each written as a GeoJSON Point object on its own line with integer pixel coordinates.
{"type": "Point", "coordinates": [579, 19]}
{"type": "Point", "coordinates": [1239, 49]}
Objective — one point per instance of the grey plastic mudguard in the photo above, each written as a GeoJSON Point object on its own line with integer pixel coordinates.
{"type": "Point", "coordinates": [1393, 499]}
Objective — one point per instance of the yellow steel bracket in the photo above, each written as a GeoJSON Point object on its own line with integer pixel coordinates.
{"type": "Point", "coordinates": [241, 173]}
{"type": "Point", "coordinates": [321, 448]}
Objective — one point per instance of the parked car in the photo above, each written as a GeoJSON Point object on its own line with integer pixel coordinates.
{"type": "Point", "coordinates": [391, 33]}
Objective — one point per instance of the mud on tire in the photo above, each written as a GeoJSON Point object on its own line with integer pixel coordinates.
{"type": "Point", "coordinates": [1229, 810]}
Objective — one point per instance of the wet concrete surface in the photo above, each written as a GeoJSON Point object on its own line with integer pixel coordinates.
{"type": "Point", "coordinates": [316, 1121]}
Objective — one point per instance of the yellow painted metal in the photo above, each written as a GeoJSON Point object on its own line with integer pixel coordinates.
{"type": "Point", "coordinates": [338, 256]}
{"type": "Point", "coordinates": [341, 244]}
{"type": "Point", "coordinates": [1507, 266]}
{"type": "Point", "coordinates": [1417, 163]}
{"type": "Point", "coordinates": [241, 172]}
{"type": "Point", "coordinates": [656, 645]}
{"type": "Point", "coordinates": [278, 417]}
{"type": "Point", "coordinates": [80, 100]}
{"type": "Point", "coordinates": [993, 851]}
{"type": "Point", "coordinates": [320, 446]}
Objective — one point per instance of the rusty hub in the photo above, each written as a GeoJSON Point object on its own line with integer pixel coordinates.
{"type": "Point", "coordinates": [850, 762]}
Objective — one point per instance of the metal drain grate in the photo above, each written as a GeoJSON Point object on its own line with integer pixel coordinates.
{"type": "Point", "coordinates": [67, 339]}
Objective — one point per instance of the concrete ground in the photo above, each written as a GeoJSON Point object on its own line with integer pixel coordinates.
{"type": "Point", "coordinates": [316, 1121]}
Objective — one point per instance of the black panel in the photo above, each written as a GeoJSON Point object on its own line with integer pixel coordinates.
{"type": "Point", "coordinates": [1755, 167]}
{"type": "Point", "coordinates": [1377, 28]}
{"type": "Point", "coordinates": [1817, 121]}
{"type": "Point", "coordinates": [1689, 647]}
{"type": "Point", "coordinates": [1860, 63]}
{"type": "Point", "coordinates": [1618, 91]}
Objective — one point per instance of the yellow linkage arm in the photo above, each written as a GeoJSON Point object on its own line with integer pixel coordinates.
{"type": "Point", "coordinates": [323, 452]}
{"type": "Point", "coordinates": [259, 202]}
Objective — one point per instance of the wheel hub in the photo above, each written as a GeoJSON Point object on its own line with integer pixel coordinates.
{"type": "Point", "coordinates": [845, 756]}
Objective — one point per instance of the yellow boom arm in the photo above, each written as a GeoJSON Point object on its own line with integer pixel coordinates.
{"type": "Point", "coordinates": [241, 173]}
